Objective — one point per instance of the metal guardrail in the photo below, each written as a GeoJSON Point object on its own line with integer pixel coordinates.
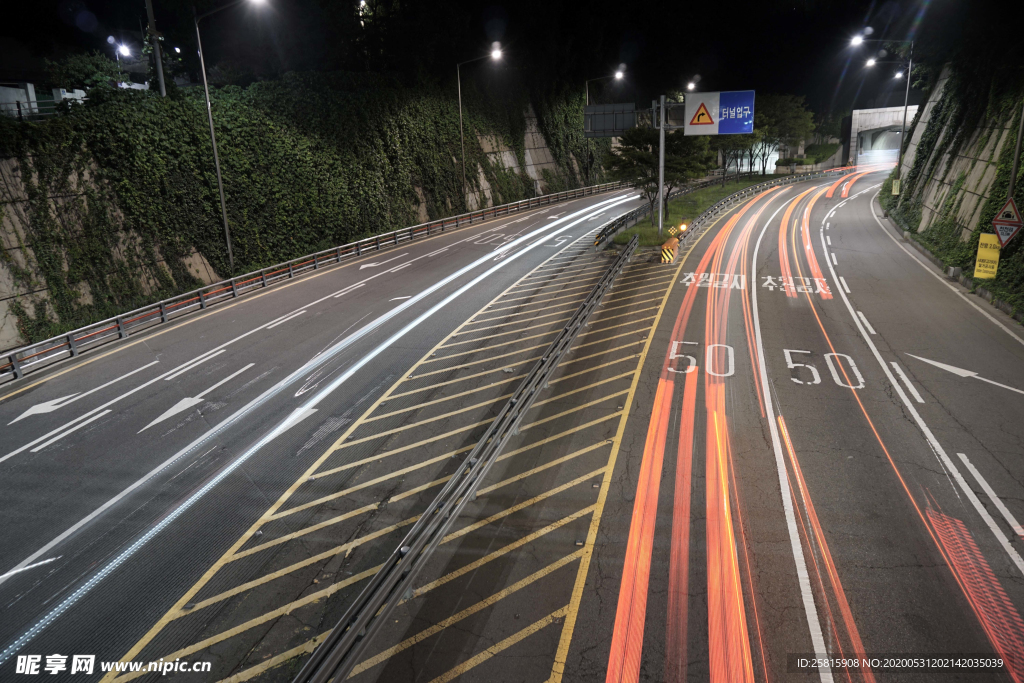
{"type": "Point", "coordinates": [628, 220]}
{"type": "Point", "coordinates": [31, 357]}
{"type": "Point", "coordinates": [342, 648]}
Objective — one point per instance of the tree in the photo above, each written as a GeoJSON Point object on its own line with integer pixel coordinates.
{"type": "Point", "coordinates": [82, 71]}
{"type": "Point", "coordinates": [782, 119]}
{"type": "Point", "coordinates": [635, 161]}
{"type": "Point", "coordinates": [733, 148]}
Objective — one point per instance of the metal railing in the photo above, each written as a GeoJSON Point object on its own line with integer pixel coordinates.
{"type": "Point", "coordinates": [31, 357]}
{"type": "Point", "coordinates": [630, 219]}
{"type": "Point", "coordinates": [342, 648]}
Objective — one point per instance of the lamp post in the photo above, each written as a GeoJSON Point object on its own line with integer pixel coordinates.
{"type": "Point", "coordinates": [859, 40]}
{"type": "Point", "coordinates": [209, 116]}
{"type": "Point", "coordinates": [495, 54]}
{"type": "Point", "coordinates": [618, 75]}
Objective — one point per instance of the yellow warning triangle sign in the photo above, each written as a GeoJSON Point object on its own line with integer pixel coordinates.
{"type": "Point", "coordinates": [702, 117]}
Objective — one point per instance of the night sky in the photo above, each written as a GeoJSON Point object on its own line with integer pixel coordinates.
{"type": "Point", "coordinates": [797, 46]}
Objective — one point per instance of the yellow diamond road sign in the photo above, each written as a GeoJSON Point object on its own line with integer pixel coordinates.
{"type": "Point", "coordinates": [672, 230]}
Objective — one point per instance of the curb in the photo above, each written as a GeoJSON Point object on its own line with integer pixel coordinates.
{"type": "Point", "coordinates": [954, 274]}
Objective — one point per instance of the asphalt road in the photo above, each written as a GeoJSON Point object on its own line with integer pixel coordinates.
{"type": "Point", "coordinates": [800, 438]}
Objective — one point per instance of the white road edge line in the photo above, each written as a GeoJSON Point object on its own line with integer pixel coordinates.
{"type": "Point", "coordinates": [906, 380]}
{"type": "Point", "coordinates": [189, 366]}
{"type": "Point", "coordinates": [936, 447]}
{"type": "Point", "coordinates": [803, 577]}
{"type": "Point", "coordinates": [173, 514]}
{"type": "Point", "coordinates": [864, 320]}
{"type": "Point", "coordinates": [938, 277]}
{"type": "Point", "coordinates": [290, 317]}
{"type": "Point", "coordinates": [834, 262]}
{"type": "Point", "coordinates": [1007, 515]}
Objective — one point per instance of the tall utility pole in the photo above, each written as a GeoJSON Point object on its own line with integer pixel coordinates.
{"type": "Point", "coordinates": [213, 140]}
{"type": "Point", "coordinates": [1016, 158]}
{"type": "Point", "coordinates": [155, 38]}
{"type": "Point", "coordinates": [661, 164]}
{"type": "Point", "coordinates": [495, 55]}
{"type": "Point", "coordinates": [903, 128]}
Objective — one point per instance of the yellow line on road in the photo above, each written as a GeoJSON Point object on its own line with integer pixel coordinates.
{"type": "Point", "coordinates": [501, 646]}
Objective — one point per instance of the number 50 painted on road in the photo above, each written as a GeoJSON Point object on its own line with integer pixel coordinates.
{"type": "Point", "coordinates": [730, 357]}
{"type": "Point", "coordinates": [831, 367]}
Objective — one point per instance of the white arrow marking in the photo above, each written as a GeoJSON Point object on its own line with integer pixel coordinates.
{"type": "Point", "coordinates": [50, 406]}
{"type": "Point", "coordinates": [186, 403]}
{"type": "Point", "coordinates": [297, 416]}
{"type": "Point", "coordinates": [963, 373]}
{"type": "Point", "coordinates": [381, 263]}
{"type": "Point", "coordinates": [31, 566]}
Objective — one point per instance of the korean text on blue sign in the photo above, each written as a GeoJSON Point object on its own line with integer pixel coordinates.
{"type": "Point", "coordinates": [736, 112]}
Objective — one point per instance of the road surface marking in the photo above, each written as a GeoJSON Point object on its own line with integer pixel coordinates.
{"type": "Point", "coordinates": [964, 373]}
{"type": "Point", "coordinates": [846, 288]}
{"type": "Point", "coordinates": [399, 298]}
{"type": "Point", "coordinates": [800, 562]}
{"type": "Point", "coordinates": [191, 366]}
{"type": "Point", "coordinates": [829, 241]}
{"type": "Point", "coordinates": [834, 262]}
{"type": "Point", "coordinates": [381, 263]}
{"type": "Point", "coordinates": [61, 436]}
{"type": "Point", "coordinates": [936, 447]}
{"type": "Point", "coordinates": [50, 406]}
{"type": "Point", "coordinates": [186, 403]}
{"type": "Point", "coordinates": [290, 317]}
{"type": "Point", "coordinates": [469, 611]}
{"type": "Point", "coordinates": [938, 277]}
{"type": "Point", "coordinates": [906, 381]}
{"type": "Point", "coordinates": [1007, 515]}
{"type": "Point", "coordinates": [864, 320]}
{"type": "Point", "coordinates": [171, 516]}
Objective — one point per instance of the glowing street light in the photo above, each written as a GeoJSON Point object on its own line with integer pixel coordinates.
{"type": "Point", "coordinates": [870, 62]}
{"type": "Point", "coordinates": [899, 74]}
{"type": "Point", "coordinates": [495, 55]}
{"type": "Point", "coordinates": [691, 86]}
{"type": "Point", "coordinates": [209, 115]}
{"type": "Point", "coordinates": [619, 75]}
{"type": "Point", "coordinates": [857, 40]}
{"type": "Point", "coordinates": [123, 49]}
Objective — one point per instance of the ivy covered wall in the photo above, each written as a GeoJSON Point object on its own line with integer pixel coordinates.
{"type": "Point", "coordinates": [114, 202]}
{"type": "Point", "coordinates": [957, 169]}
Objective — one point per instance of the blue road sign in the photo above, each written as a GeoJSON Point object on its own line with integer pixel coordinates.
{"type": "Point", "coordinates": [736, 112]}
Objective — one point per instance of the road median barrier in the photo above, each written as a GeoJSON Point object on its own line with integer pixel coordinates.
{"type": "Point", "coordinates": [669, 249]}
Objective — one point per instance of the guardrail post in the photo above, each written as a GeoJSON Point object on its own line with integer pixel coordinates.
{"type": "Point", "coordinates": [121, 332]}
{"type": "Point", "coordinates": [396, 238]}
{"type": "Point", "coordinates": [234, 292]}
{"type": "Point", "coordinates": [202, 300]}
{"type": "Point", "coordinates": [163, 307]}
{"type": "Point", "coordinates": [263, 274]}
{"type": "Point", "coordinates": [378, 242]}
{"type": "Point", "coordinates": [15, 365]}
{"type": "Point", "coordinates": [316, 261]}
{"type": "Point", "coordinates": [72, 347]}
{"type": "Point", "coordinates": [358, 250]}
{"type": "Point", "coordinates": [291, 273]}
{"type": "Point", "coordinates": [338, 260]}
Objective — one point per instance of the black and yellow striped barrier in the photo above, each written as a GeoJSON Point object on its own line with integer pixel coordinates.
{"type": "Point", "coordinates": [668, 250]}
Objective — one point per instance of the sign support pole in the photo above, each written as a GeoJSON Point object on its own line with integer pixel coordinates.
{"type": "Point", "coordinates": [1016, 158]}
{"type": "Point", "coordinates": [661, 164]}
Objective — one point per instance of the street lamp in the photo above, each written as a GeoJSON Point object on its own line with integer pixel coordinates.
{"type": "Point", "coordinates": [496, 56]}
{"type": "Point", "coordinates": [691, 86]}
{"type": "Point", "coordinates": [857, 40]}
{"type": "Point", "coordinates": [209, 116]}
{"type": "Point", "coordinates": [619, 74]}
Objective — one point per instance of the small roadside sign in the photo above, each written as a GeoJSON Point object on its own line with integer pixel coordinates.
{"type": "Point", "coordinates": [988, 257]}
{"type": "Point", "coordinates": [1007, 222]}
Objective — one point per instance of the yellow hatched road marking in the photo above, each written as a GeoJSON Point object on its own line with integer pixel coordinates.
{"type": "Point", "coordinates": [506, 316]}
{"type": "Point", "coordinates": [477, 362]}
{"type": "Point", "coordinates": [440, 400]}
{"type": "Point", "coordinates": [469, 611]}
{"type": "Point", "coordinates": [562, 654]}
{"type": "Point", "coordinates": [244, 538]}
{"type": "Point", "coordinates": [577, 297]}
{"type": "Point", "coordinates": [501, 646]}
{"type": "Point", "coordinates": [570, 276]}
{"type": "Point", "coordinates": [562, 274]}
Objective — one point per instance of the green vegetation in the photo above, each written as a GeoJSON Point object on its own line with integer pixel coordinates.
{"type": "Point", "coordinates": [635, 161]}
{"type": "Point", "coordinates": [779, 120]}
{"type": "Point", "coordinates": [793, 161]}
{"type": "Point", "coordinates": [686, 208]}
{"type": "Point", "coordinates": [821, 151]}
{"type": "Point", "coordinates": [309, 161]}
{"type": "Point", "coordinates": [971, 99]}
